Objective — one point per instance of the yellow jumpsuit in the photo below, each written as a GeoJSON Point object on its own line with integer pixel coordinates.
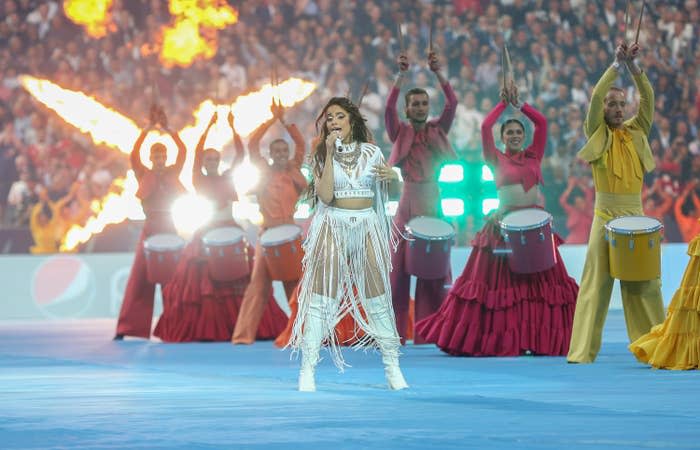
{"type": "Point", "coordinates": [675, 344]}
{"type": "Point", "coordinates": [618, 158]}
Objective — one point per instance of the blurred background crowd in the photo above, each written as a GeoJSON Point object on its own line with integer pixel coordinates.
{"type": "Point", "coordinates": [559, 49]}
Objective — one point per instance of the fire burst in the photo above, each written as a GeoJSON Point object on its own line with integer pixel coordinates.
{"type": "Point", "coordinates": [105, 125]}
{"type": "Point", "coordinates": [193, 32]}
{"type": "Point", "coordinates": [92, 14]}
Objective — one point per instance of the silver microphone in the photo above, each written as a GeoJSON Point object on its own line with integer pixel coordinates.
{"type": "Point", "coordinates": [338, 145]}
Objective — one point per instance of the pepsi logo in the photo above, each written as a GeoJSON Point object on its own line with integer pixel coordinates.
{"type": "Point", "coordinates": [63, 286]}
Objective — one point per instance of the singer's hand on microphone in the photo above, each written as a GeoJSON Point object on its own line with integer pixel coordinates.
{"type": "Point", "coordinates": [330, 142]}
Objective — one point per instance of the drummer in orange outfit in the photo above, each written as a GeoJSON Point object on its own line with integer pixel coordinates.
{"type": "Point", "coordinates": [281, 184]}
{"type": "Point", "coordinates": [158, 188]}
{"type": "Point", "coordinates": [686, 212]}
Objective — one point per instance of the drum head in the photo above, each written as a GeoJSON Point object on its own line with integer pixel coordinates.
{"type": "Point", "coordinates": [525, 219]}
{"type": "Point", "coordinates": [634, 225]}
{"type": "Point", "coordinates": [280, 235]}
{"type": "Point", "coordinates": [430, 228]}
{"type": "Point", "coordinates": [223, 236]}
{"type": "Point", "coordinates": [163, 242]}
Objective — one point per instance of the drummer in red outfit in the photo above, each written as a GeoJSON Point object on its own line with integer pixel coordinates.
{"type": "Point", "coordinates": [158, 188]}
{"type": "Point", "coordinates": [281, 183]}
{"type": "Point", "coordinates": [196, 307]}
{"type": "Point", "coordinates": [579, 216]}
{"type": "Point", "coordinates": [420, 148]}
{"type": "Point", "coordinates": [490, 310]}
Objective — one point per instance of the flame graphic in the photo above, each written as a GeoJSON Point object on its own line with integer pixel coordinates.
{"type": "Point", "coordinates": [105, 125]}
{"type": "Point", "coordinates": [193, 31]}
{"type": "Point", "coordinates": [94, 15]}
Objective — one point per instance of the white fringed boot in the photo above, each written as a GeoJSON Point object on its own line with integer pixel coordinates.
{"type": "Point", "coordinates": [383, 324]}
{"type": "Point", "coordinates": [311, 343]}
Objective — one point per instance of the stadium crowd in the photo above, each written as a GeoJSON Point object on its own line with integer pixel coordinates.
{"type": "Point", "coordinates": [49, 171]}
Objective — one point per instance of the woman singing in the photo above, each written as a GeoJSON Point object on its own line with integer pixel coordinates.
{"type": "Point", "coordinates": [347, 252]}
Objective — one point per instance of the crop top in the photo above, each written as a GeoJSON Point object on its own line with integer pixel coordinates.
{"type": "Point", "coordinates": [359, 181]}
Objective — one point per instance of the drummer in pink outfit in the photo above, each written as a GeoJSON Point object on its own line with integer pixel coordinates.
{"type": "Point", "coordinates": [490, 310]}
{"type": "Point", "coordinates": [420, 148]}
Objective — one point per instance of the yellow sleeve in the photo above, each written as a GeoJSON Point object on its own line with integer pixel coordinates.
{"type": "Point", "coordinates": [34, 218]}
{"type": "Point", "coordinates": [645, 114]}
{"type": "Point", "coordinates": [595, 116]}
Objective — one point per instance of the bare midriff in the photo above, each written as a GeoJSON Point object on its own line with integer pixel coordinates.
{"type": "Point", "coordinates": [353, 203]}
{"type": "Point", "coordinates": [513, 195]}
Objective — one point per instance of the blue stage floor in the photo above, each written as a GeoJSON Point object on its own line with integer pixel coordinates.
{"type": "Point", "coordinates": [65, 384]}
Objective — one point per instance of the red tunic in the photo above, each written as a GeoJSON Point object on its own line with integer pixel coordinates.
{"type": "Point", "coordinates": [522, 167]}
{"type": "Point", "coordinates": [419, 154]}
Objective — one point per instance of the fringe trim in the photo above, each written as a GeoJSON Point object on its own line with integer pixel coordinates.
{"type": "Point", "coordinates": [339, 249]}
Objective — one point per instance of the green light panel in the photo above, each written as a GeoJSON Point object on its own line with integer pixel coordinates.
{"type": "Point", "coordinates": [486, 173]}
{"type": "Point", "coordinates": [451, 173]}
{"type": "Point", "coordinates": [452, 207]}
{"type": "Point", "coordinates": [488, 205]}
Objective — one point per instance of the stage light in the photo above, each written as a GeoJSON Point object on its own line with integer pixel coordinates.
{"type": "Point", "coordinates": [398, 172]}
{"type": "Point", "coordinates": [190, 212]}
{"type": "Point", "coordinates": [247, 210]}
{"type": "Point", "coordinates": [489, 204]}
{"type": "Point", "coordinates": [452, 207]}
{"type": "Point", "coordinates": [486, 173]}
{"type": "Point", "coordinates": [306, 171]}
{"type": "Point", "coordinates": [451, 173]}
{"type": "Point", "coordinates": [391, 207]}
{"type": "Point", "coordinates": [303, 211]}
{"type": "Point", "coordinates": [245, 177]}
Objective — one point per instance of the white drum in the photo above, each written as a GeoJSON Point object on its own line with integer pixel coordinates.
{"type": "Point", "coordinates": [227, 253]}
{"type": "Point", "coordinates": [529, 239]}
{"type": "Point", "coordinates": [634, 248]}
{"type": "Point", "coordinates": [428, 253]}
{"type": "Point", "coordinates": [162, 253]}
{"type": "Point", "coordinates": [282, 252]}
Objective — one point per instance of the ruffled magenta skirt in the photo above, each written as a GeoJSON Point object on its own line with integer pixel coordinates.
{"type": "Point", "coordinates": [491, 311]}
{"type": "Point", "coordinates": [196, 308]}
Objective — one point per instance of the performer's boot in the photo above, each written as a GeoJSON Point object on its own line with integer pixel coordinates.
{"type": "Point", "coordinates": [314, 333]}
{"type": "Point", "coordinates": [383, 324]}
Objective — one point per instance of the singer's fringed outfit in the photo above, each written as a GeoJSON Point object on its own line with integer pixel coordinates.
{"type": "Point", "coordinates": [346, 248]}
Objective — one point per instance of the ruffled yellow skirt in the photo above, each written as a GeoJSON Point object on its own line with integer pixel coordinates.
{"type": "Point", "coordinates": [675, 343]}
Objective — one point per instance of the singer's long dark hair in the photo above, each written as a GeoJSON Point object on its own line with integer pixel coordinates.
{"type": "Point", "coordinates": [358, 129]}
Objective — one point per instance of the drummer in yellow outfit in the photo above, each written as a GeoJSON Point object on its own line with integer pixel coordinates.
{"type": "Point", "coordinates": [675, 344]}
{"type": "Point", "coordinates": [619, 154]}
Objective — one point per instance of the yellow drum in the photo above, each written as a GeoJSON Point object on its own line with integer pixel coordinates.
{"type": "Point", "coordinates": [634, 244]}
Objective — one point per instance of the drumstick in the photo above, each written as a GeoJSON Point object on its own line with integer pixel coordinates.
{"type": "Point", "coordinates": [503, 67]}
{"type": "Point", "coordinates": [364, 92]}
{"type": "Point", "coordinates": [627, 20]}
{"type": "Point", "coordinates": [639, 24]}
{"type": "Point", "coordinates": [509, 63]}
{"type": "Point", "coordinates": [430, 36]}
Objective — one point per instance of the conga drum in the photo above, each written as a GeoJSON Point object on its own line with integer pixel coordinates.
{"type": "Point", "coordinates": [162, 253]}
{"type": "Point", "coordinates": [226, 249]}
{"type": "Point", "coordinates": [529, 240]}
{"type": "Point", "coordinates": [282, 252]}
{"type": "Point", "coordinates": [428, 252]}
{"type": "Point", "coordinates": [634, 248]}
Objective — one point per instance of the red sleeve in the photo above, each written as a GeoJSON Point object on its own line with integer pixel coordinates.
{"type": "Point", "coordinates": [489, 149]}
{"type": "Point", "coordinates": [391, 115]}
{"type": "Point", "coordinates": [448, 112]}
{"type": "Point", "coordinates": [539, 138]}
